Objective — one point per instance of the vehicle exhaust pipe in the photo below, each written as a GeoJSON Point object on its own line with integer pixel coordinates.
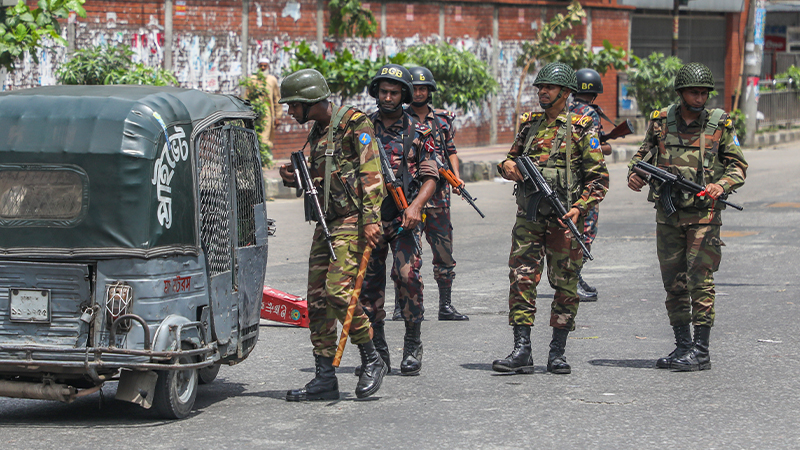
{"type": "Point", "coordinates": [37, 391]}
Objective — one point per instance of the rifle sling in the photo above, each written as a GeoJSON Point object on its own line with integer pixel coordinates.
{"type": "Point", "coordinates": [329, 152]}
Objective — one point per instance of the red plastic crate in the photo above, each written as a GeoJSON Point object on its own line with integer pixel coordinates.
{"type": "Point", "coordinates": [285, 308]}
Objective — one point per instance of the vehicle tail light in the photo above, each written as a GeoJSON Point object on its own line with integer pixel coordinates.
{"type": "Point", "coordinates": [119, 298]}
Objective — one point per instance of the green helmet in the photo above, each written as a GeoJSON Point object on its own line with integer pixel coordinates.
{"type": "Point", "coordinates": [304, 86]}
{"type": "Point", "coordinates": [559, 74]}
{"type": "Point", "coordinates": [694, 75]}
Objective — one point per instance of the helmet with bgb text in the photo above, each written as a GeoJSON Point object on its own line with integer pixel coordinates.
{"type": "Point", "coordinates": [421, 76]}
{"type": "Point", "coordinates": [589, 81]}
{"type": "Point", "coordinates": [396, 73]}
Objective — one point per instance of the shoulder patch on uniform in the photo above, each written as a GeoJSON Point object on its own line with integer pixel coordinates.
{"type": "Point", "coordinates": [364, 138]}
{"type": "Point", "coordinates": [582, 121]}
{"type": "Point", "coordinates": [422, 128]}
{"type": "Point", "coordinates": [594, 143]}
{"type": "Point", "coordinates": [445, 113]}
{"type": "Point", "coordinates": [356, 116]}
{"type": "Point", "coordinates": [736, 141]}
{"type": "Point", "coordinates": [656, 114]}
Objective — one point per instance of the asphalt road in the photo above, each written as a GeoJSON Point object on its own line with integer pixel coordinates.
{"type": "Point", "coordinates": [614, 399]}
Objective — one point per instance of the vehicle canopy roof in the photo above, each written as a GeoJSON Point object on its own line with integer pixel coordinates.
{"type": "Point", "coordinates": [137, 193]}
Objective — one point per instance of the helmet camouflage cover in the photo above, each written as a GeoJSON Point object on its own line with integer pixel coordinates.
{"type": "Point", "coordinates": [304, 86]}
{"type": "Point", "coordinates": [694, 75]}
{"type": "Point", "coordinates": [396, 73]}
{"type": "Point", "coordinates": [559, 74]}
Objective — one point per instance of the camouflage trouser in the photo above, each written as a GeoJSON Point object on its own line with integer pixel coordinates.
{"type": "Point", "coordinates": [689, 255]}
{"type": "Point", "coordinates": [330, 286]}
{"type": "Point", "coordinates": [590, 227]}
{"type": "Point", "coordinates": [531, 242]}
{"type": "Point", "coordinates": [405, 273]}
{"type": "Point", "coordinates": [439, 234]}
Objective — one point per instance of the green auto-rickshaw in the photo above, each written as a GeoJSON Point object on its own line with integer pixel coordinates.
{"type": "Point", "coordinates": [133, 241]}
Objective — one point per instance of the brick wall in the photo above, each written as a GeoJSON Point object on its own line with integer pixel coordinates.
{"type": "Point", "coordinates": [207, 45]}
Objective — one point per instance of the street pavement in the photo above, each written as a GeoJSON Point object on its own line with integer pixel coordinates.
{"type": "Point", "coordinates": [614, 399]}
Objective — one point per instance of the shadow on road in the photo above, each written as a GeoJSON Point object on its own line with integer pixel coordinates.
{"type": "Point", "coordinates": [629, 363]}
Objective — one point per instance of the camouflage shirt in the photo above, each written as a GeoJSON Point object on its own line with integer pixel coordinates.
{"type": "Point", "coordinates": [441, 123]}
{"type": "Point", "coordinates": [586, 158]}
{"type": "Point", "coordinates": [724, 163]}
{"type": "Point", "coordinates": [583, 109]}
{"type": "Point", "coordinates": [356, 182]}
{"type": "Point", "coordinates": [420, 162]}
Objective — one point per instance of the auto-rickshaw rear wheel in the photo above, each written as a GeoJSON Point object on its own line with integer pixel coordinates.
{"type": "Point", "coordinates": [176, 391]}
{"type": "Point", "coordinates": [207, 375]}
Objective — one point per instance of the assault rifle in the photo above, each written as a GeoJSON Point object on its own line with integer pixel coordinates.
{"type": "Point", "coordinates": [459, 184]}
{"type": "Point", "coordinates": [535, 180]}
{"type": "Point", "coordinates": [394, 185]}
{"type": "Point", "coordinates": [669, 180]}
{"type": "Point", "coordinates": [621, 130]}
{"type": "Point", "coordinates": [395, 188]}
{"type": "Point", "coordinates": [305, 183]}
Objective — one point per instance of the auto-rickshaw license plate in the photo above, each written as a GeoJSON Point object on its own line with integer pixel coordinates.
{"type": "Point", "coordinates": [29, 305]}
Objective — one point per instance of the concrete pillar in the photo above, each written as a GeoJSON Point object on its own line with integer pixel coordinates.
{"type": "Point", "coordinates": [495, 69]}
{"type": "Point", "coordinates": [441, 22]}
{"type": "Point", "coordinates": [383, 20]}
{"type": "Point", "coordinates": [168, 34]}
{"type": "Point", "coordinates": [245, 41]}
{"type": "Point", "coordinates": [320, 25]}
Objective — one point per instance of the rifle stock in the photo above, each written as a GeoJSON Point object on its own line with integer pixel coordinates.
{"type": "Point", "coordinates": [304, 182]}
{"type": "Point", "coordinates": [621, 130]}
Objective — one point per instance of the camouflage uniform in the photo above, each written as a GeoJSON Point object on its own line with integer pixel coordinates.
{"type": "Point", "coordinates": [404, 245]}
{"type": "Point", "coordinates": [688, 241]}
{"type": "Point", "coordinates": [531, 242]}
{"type": "Point", "coordinates": [583, 109]}
{"type": "Point", "coordinates": [438, 227]}
{"type": "Point", "coordinates": [356, 193]}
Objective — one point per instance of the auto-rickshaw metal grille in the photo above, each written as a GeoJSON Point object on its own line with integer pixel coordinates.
{"type": "Point", "coordinates": [215, 203]}
{"type": "Point", "coordinates": [249, 184]}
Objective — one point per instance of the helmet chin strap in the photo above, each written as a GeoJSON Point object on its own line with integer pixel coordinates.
{"type": "Point", "coordinates": [306, 108]}
{"type": "Point", "coordinates": [548, 105]}
{"type": "Point", "coordinates": [388, 110]}
{"type": "Point", "coordinates": [693, 108]}
{"type": "Point", "coordinates": [423, 103]}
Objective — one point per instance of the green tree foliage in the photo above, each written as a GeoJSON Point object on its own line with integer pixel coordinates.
{"type": "Point", "coordinates": [461, 78]}
{"type": "Point", "coordinates": [650, 81]}
{"type": "Point", "coordinates": [547, 47]}
{"type": "Point", "coordinates": [349, 19]}
{"type": "Point", "coordinates": [22, 29]}
{"type": "Point", "coordinates": [346, 75]}
{"type": "Point", "coordinates": [111, 65]}
{"type": "Point", "coordinates": [258, 94]}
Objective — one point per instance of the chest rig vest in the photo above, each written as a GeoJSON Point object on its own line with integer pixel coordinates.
{"type": "Point", "coordinates": [565, 181]}
{"type": "Point", "coordinates": [339, 198]}
{"type": "Point", "coordinates": [683, 154]}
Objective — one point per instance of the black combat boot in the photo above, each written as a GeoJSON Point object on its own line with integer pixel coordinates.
{"type": "Point", "coordinates": [373, 370]}
{"type": "Point", "coordinates": [556, 362]}
{"type": "Point", "coordinates": [379, 340]}
{"type": "Point", "coordinates": [586, 293]}
{"type": "Point", "coordinates": [697, 358]}
{"type": "Point", "coordinates": [683, 343]}
{"type": "Point", "coordinates": [520, 360]}
{"type": "Point", "coordinates": [412, 350]}
{"type": "Point", "coordinates": [324, 386]}
{"type": "Point", "coordinates": [446, 309]}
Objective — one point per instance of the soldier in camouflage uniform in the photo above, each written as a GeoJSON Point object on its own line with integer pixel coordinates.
{"type": "Point", "coordinates": [683, 138]}
{"type": "Point", "coordinates": [438, 228]}
{"type": "Point", "coordinates": [410, 148]}
{"type": "Point", "coordinates": [567, 151]}
{"type": "Point", "coordinates": [590, 85]}
{"type": "Point", "coordinates": [352, 211]}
